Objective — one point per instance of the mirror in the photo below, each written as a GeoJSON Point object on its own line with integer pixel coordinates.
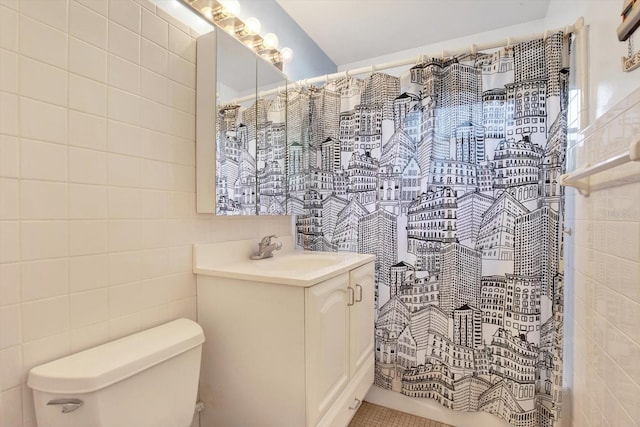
{"type": "Point", "coordinates": [271, 106]}
{"type": "Point", "coordinates": [241, 135]}
{"type": "Point", "coordinates": [235, 140]}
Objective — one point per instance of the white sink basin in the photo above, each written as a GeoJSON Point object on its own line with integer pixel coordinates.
{"type": "Point", "coordinates": [296, 268]}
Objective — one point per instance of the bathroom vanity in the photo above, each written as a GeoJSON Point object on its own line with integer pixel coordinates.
{"type": "Point", "coordinates": [289, 338]}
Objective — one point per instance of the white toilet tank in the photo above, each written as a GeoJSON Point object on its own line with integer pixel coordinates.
{"type": "Point", "coordinates": [148, 379]}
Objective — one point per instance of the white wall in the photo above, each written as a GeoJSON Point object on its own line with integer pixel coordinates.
{"type": "Point", "coordinates": [97, 181]}
{"type": "Point", "coordinates": [602, 294]}
{"type": "Point", "coordinates": [435, 49]}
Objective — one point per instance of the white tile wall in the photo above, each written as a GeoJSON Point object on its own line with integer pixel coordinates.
{"type": "Point", "coordinates": [42, 82]}
{"type": "Point", "coordinates": [605, 271]}
{"type": "Point", "coordinates": [44, 279]}
{"type": "Point", "coordinates": [52, 12]}
{"type": "Point", "coordinates": [88, 131]}
{"type": "Point", "coordinates": [9, 72]}
{"type": "Point", "coordinates": [126, 13]}
{"type": "Point", "coordinates": [155, 29]}
{"type": "Point", "coordinates": [9, 198]}
{"type": "Point", "coordinates": [97, 181]}
{"type": "Point", "coordinates": [124, 43]}
{"type": "Point", "coordinates": [9, 285]}
{"type": "Point", "coordinates": [87, 60]}
{"type": "Point", "coordinates": [9, 29]}
{"type": "Point", "coordinates": [43, 160]}
{"type": "Point", "coordinates": [86, 95]}
{"type": "Point", "coordinates": [87, 166]}
{"type": "Point", "coordinates": [51, 124]}
{"type": "Point", "coordinates": [123, 74]}
{"type": "Point", "coordinates": [43, 200]}
{"type": "Point", "coordinates": [8, 155]}
{"type": "Point", "coordinates": [40, 41]}
{"type": "Point", "coordinates": [87, 25]}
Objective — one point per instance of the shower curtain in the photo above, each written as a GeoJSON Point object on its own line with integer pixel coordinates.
{"type": "Point", "coordinates": [448, 173]}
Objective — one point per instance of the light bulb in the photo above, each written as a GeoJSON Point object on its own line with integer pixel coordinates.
{"type": "Point", "coordinates": [287, 54]}
{"type": "Point", "coordinates": [231, 5]}
{"type": "Point", "coordinates": [253, 25]}
{"type": "Point", "coordinates": [207, 11]}
{"type": "Point", "coordinates": [270, 41]}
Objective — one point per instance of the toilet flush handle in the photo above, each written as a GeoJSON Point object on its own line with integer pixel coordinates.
{"type": "Point", "coordinates": [68, 405]}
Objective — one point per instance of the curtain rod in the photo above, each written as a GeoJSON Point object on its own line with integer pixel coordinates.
{"type": "Point", "coordinates": [575, 28]}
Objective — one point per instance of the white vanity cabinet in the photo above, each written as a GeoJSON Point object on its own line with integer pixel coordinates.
{"type": "Point", "coordinates": [286, 355]}
{"type": "Point", "coordinates": [339, 345]}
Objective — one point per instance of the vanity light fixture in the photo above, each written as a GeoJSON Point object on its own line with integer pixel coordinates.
{"type": "Point", "coordinates": [253, 25]}
{"type": "Point", "coordinates": [207, 12]}
{"type": "Point", "coordinates": [224, 15]}
{"type": "Point", "coordinates": [270, 41]}
{"type": "Point", "coordinates": [232, 6]}
{"type": "Point", "coordinates": [287, 54]}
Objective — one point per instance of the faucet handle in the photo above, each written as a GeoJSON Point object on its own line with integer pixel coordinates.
{"type": "Point", "coordinates": [267, 239]}
{"type": "Point", "coordinates": [266, 247]}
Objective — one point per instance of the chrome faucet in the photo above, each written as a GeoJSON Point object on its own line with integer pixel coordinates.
{"type": "Point", "coordinates": [266, 247]}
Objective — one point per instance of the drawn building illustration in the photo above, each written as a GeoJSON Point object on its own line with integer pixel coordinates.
{"type": "Point", "coordinates": [471, 208]}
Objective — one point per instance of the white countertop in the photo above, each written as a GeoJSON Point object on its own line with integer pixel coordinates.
{"type": "Point", "coordinates": [286, 267]}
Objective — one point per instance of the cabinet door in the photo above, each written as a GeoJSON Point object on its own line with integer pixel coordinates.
{"type": "Point", "coordinates": [361, 316]}
{"type": "Point", "coordinates": [327, 344]}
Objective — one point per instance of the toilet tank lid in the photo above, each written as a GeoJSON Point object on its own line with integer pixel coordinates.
{"type": "Point", "coordinates": [101, 366]}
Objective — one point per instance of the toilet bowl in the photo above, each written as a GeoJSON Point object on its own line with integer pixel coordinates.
{"type": "Point", "coordinates": [148, 379]}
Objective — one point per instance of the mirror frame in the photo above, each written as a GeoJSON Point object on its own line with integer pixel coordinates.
{"type": "Point", "coordinates": [206, 78]}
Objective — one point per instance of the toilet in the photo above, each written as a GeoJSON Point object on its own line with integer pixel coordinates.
{"type": "Point", "coordinates": [148, 379]}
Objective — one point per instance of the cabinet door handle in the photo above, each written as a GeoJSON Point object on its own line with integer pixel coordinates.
{"type": "Point", "coordinates": [359, 290]}
{"type": "Point", "coordinates": [356, 406]}
{"type": "Point", "coordinates": [351, 296]}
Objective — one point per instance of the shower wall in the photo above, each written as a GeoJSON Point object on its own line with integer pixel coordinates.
{"type": "Point", "coordinates": [603, 277]}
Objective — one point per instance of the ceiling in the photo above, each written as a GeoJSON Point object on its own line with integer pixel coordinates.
{"type": "Point", "coordinates": [352, 30]}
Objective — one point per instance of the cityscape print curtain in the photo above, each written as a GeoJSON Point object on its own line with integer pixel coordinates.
{"type": "Point", "coordinates": [448, 173]}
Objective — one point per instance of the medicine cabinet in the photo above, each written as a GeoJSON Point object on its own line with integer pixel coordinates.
{"type": "Point", "coordinates": [245, 162]}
